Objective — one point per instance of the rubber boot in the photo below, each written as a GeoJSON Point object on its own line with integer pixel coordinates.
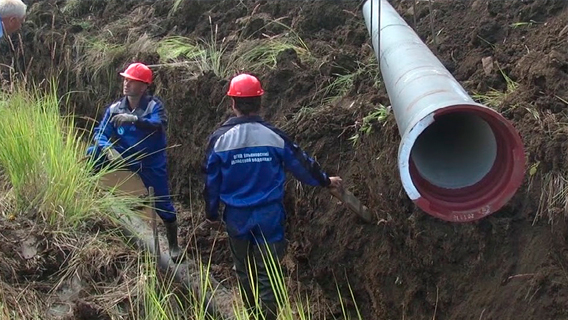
{"type": "Point", "coordinates": [270, 310]}
{"type": "Point", "coordinates": [172, 233]}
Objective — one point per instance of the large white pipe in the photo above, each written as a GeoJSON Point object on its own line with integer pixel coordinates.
{"type": "Point", "coordinates": [458, 160]}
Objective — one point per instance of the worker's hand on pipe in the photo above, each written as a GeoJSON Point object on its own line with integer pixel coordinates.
{"type": "Point", "coordinates": [122, 118]}
{"type": "Point", "coordinates": [336, 182]}
{"type": "Point", "coordinates": [112, 155]}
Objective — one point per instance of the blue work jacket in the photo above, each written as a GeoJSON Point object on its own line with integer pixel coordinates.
{"type": "Point", "coordinates": [142, 142]}
{"type": "Point", "coordinates": [245, 167]}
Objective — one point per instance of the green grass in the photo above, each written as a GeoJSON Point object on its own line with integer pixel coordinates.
{"type": "Point", "coordinates": [173, 47]}
{"type": "Point", "coordinates": [495, 98]}
{"type": "Point", "coordinates": [263, 53]}
{"type": "Point", "coordinates": [342, 84]}
{"type": "Point", "coordinates": [47, 178]}
{"type": "Point", "coordinates": [212, 54]}
{"type": "Point", "coordinates": [520, 24]}
{"type": "Point", "coordinates": [257, 54]}
{"type": "Point", "coordinates": [378, 115]}
{"type": "Point", "coordinates": [175, 7]}
{"type": "Point", "coordinates": [42, 158]}
{"type": "Point", "coordinates": [344, 311]}
{"type": "Point", "coordinates": [155, 298]}
{"type": "Point", "coordinates": [72, 8]}
{"type": "Point", "coordinates": [200, 56]}
{"type": "Point", "coordinates": [291, 307]}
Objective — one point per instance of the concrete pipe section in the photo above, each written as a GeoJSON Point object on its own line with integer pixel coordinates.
{"type": "Point", "coordinates": [458, 160]}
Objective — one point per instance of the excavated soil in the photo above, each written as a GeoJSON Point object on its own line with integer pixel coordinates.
{"type": "Point", "coordinates": [510, 265]}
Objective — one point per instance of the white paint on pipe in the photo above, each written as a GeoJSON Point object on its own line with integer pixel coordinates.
{"type": "Point", "coordinates": [419, 85]}
{"type": "Point", "coordinates": [404, 157]}
{"type": "Point", "coordinates": [451, 146]}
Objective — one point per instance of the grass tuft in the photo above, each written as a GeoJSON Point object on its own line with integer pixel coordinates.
{"type": "Point", "coordinates": [378, 115]}
{"type": "Point", "coordinates": [42, 157]}
{"type": "Point", "coordinates": [342, 84]}
{"type": "Point", "coordinates": [212, 54]}
{"type": "Point", "coordinates": [495, 98]}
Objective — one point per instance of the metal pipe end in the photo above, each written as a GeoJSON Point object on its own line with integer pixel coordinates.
{"type": "Point", "coordinates": [462, 162]}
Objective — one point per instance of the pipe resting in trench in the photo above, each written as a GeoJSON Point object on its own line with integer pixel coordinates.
{"type": "Point", "coordinates": [458, 160]}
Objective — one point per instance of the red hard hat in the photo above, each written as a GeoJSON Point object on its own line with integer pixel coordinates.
{"type": "Point", "coordinates": [244, 85]}
{"type": "Point", "coordinates": [138, 71]}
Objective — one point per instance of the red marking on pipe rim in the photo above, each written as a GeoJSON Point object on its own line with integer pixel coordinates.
{"type": "Point", "coordinates": [493, 191]}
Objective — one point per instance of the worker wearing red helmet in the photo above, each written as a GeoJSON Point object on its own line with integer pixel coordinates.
{"type": "Point", "coordinates": [133, 131]}
{"type": "Point", "coordinates": [245, 168]}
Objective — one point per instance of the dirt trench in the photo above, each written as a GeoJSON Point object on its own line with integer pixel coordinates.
{"type": "Point", "coordinates": [511, 265]}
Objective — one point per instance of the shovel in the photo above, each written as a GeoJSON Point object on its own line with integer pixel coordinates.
{"type": "Point", "coordinates": [154, 223]}
{"type": "Point", "coordinates": [352, 203]}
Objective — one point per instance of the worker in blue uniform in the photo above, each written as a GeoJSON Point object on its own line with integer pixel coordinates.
{"type": "Point", "coordinates": [245, 169]}
{"type": "Point", "coordinates": [133, 131]}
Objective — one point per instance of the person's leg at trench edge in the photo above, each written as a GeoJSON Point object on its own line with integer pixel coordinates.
{"type": "Point", "coordinates": [244, 251]}
{"type": "Point", "coordinates": [240, 252]}
{"type": "Point", "coordinates": [158, 178]}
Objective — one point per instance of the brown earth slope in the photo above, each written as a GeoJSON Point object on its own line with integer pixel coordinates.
{"type": "Point", "coordinates": [511, 265]}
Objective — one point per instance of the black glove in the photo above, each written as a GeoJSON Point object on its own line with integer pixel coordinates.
{"type": "Point", "coordinates": [122, 118]}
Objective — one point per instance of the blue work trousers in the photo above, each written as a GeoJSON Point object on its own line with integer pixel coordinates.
{"type": "Point", "coordinates": [156, 177]}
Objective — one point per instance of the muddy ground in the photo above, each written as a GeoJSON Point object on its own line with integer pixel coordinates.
{"type": "Point", "coordinates": [510, 265]}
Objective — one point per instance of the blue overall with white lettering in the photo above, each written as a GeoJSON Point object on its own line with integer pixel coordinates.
{"type": "Point", "coordinates": [245, 168]}
{"type": "Point", "coordinates": [143, 143]}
